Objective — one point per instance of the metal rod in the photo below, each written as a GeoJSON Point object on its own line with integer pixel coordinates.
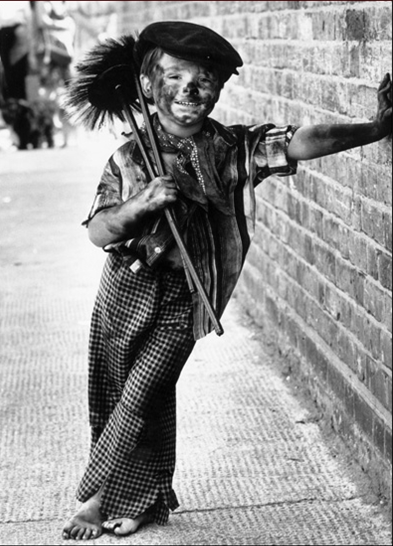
{"type": "Point", "coordinates": [189, 269]}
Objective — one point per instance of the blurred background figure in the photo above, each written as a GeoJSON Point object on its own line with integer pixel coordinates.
{"type": "Point", "coordinates": [15, 47]}
{"type": "Point", "coordinates": [18, 60]}
{"type": "Point", "coordinates": [54, 36]}
{"type": "Point", "coordinates": [40, 43]}
{"type": "Point", "coordinates": [36, 46]}
{"type": "Point", "coordinates": [54, 33]}
{"type": "Point", "coordinates": [95, 22]}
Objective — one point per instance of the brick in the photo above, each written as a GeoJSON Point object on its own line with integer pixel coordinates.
{"type": "Point", "coordinates": [379, 434]}
{"type": "Point", "coordinates": [377, 23]}
{"type": "Point", "coordinates": [388, 445]}
{"type": "Point", "coordinates": [314, 283]}
{"type": "Point", "coordinates": [349, 400]}
{"type": "Point", "coordinates": [388, 312]}
{"type": "Point", "coordinates": [281, 201]}
{"type": "Point", "coordinates": [380, 385]}
{"type": "Point", "coordinates": [372, 260]}
{"type": "Point", "coordinates": [316, 222]}
{"type": "Point", "coordinates": [372, 222]}
{"type": "Point", "coordinates": [324, 325]}
{"type": "Point", "coordinates": [336, 383]}
{"type": "Point", "coordinates": [283, 231]}
{"type": "Point", "coordinates": [346, 349]}
{"type": "Point", "coordinates": [387, 223]}
{"type": "Point", "coordinates": [319, 194]}
{"type": "Point", "coordinates": [363, 414]}
{"type": "Point", "coordinates": [359, 279]}
{"type": "Point", "coordinates": [333, 302]}
{"type": "Point", "coordinates": [340, 203]}
{"type": "Point", "coordinates": [355, 25]}
{"type": "Point", "coordinates": [386, 348]}
{"type": "Point", "coordinates": [384, 186]}
{"type": "Point", "coordinates": [358, 326]}
{"type": "Point", "coordinates": [373, 57]}
{"type": "Point", "coordinates": [385, 270]}
{"type": "Point", "coordinates": [272, 248]}
{"type": "Point", "coordinates": [294, 209]}
{"type": "Point", "coordinates": [345, 316]}
{"type": "Point", "coordinates": [258, 258]}
{"type": "Point", "coordinates": [316, 358]}
{"type": "Point", "coordinates": [288, 262]}
{"type": "Point", "coordinates": [301, 305]}
{"type": "Point", "coordinates": [349, 280]}
{"type": "Point", "coordinates": [372, 338]}
{"type": "Point", "coordinates": [357, 250]}
{"type": "Point", "coordinates": [272, 310]}
{"type": "Point", "coordinates": [328, 25]}
{"type": "Point", "coordinates": [361, 360]}
{"type": "Point", "coordinates": [368, 368]}
{"type": "Point", "coordinates": [352, 68]}
{"type": "Point", "coordinates": [374, 300]}
{"type": "Point", "coordinates": [367, 181]}
{"type": "Point", "coordinates": [356, 216]}
{"type": "Point", "coordinates": [362, 100]}
{"type": "Point", "coordinates": [332, 232]}
{"type": "Point", "coordinates": [325, 261]}
{"type": "Point", "coordinates": [291, 328]}
{"type": "Point", "coordinates": [344, 238]}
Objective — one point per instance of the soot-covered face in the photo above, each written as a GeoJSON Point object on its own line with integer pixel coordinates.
{"type": "Point", "coordinates": [184, 93]}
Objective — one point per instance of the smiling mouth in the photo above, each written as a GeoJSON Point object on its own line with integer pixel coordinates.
{"type": "Point", "coordinates": [187, 103]}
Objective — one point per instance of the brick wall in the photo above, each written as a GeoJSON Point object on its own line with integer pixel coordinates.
{"type": "Point", "coordinates": [318, 276]}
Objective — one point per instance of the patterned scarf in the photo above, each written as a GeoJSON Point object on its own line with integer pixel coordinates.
{"type": "Point", "coordinates": [195, 171]}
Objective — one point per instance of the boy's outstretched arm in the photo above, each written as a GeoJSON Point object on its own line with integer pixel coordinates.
{"type": "Point", "coordinates": [310, 142]}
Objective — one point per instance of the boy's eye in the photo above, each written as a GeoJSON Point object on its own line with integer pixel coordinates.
{"type": "Point", "coordinates": [208, 79]}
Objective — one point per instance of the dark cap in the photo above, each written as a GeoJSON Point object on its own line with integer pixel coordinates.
{"type": "Point", "coordinates": [190, 42]}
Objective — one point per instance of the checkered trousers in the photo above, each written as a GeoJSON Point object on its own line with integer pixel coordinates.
{"type": "Point", "coordinates": [141, 337]}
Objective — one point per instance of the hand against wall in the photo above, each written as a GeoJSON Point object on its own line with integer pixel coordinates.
{"type": "Point", "coordinates": [383, 118]}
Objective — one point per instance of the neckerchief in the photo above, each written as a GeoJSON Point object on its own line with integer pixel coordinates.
{"type": "Point", "coordinates": [195, 171]}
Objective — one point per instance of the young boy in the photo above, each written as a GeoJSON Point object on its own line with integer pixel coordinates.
{"type": "Point", "coordinates": [145, 322]}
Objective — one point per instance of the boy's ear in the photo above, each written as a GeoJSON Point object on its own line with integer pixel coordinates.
{"type": "Point", "coordinates": [146, 86]}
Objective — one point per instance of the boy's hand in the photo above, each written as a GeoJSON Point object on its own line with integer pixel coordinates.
{"type": "Point", "coordinates": [310, 142]}
{"type": "Point", "coordinates": [160, 193]}
{"type": "Point", "coordinates": [383, 119]}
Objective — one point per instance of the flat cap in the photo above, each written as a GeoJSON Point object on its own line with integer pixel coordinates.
{"type": "Point", "coordinates": [191, 42]}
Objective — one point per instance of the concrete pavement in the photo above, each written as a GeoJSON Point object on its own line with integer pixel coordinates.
{"type": "Point", "coordinates": [253, 465]}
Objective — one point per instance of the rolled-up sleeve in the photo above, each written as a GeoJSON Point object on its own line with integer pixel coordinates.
{"type": "Point", "coordinates": [108, 191]}
{"type": "Point", "coordinates": [120, 180]}
{"type": "Point", "coordinates": [276, 148]}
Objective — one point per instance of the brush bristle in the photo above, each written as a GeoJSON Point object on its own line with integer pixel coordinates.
{"type": "Point", "coordinates": [95, 73]}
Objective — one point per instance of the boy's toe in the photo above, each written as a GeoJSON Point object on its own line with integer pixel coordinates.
{"type": "Point", "coordinates": [80, 534]}
{"type": "Point", "coordinates": [74, 532]}
{"type": "Point", "coordinates": [88, 534]}
{"type": "Point", "coordinates": [111, 525]}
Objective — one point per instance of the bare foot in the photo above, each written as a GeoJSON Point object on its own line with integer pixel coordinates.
{"type": "Point", "coordinates": [127, 526]}
{"type": "Point", "coordinates": [86, 523]}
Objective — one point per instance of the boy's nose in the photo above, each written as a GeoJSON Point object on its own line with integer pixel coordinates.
{"type": "Point", "coordinates": [191, 88]}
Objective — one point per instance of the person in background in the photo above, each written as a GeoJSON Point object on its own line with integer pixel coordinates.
{"type": "Point", "coordinates": [16, 47]}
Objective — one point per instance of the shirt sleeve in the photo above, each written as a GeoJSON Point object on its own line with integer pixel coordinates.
{"type": "Point", "coordinates": [110, 189]}
{"type": "Point", "coordinates": [277, 142]}
{"type": "Point", "coordinates": [271, 153]}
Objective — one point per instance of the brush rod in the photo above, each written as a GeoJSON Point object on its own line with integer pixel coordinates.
{"type": "Point", "coordinates": [189, 266]}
